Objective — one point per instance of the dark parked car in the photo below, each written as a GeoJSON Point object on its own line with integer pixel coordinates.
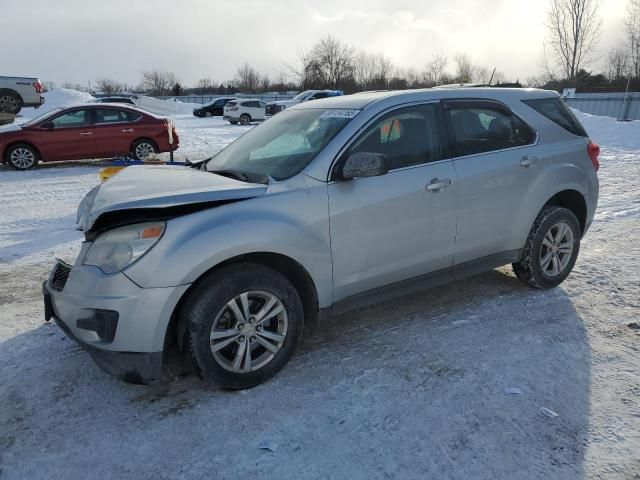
{"type": "Point", "coordinates": [101, 130]}
{"type": "Point", "coordinates": [127, 100]}
{"type": "Point", "coordinates": [214, 107]}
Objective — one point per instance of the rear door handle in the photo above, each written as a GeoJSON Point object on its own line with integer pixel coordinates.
{"type": "Point", "coordinates": [529, 161]}
{"type": "Point", "coordinates": [86, 133]}
{"type": "Point", "coordinates": [436, 184]}
{"type": "Point", "coordinates": [127, 130]}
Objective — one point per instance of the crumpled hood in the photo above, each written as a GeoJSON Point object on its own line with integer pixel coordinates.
{"type": "Point", "coordinates": [160, 187]}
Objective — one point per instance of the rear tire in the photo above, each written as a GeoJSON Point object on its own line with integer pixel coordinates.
{"type": "Point", "coordinates": [21, 156]}
{"type": "Point", "coordinates": [142, 148]}
{"type": "Point", "coordinates": [243, 324]}
{"type": "Point", "coordinates": [245, 119]}
{"type": "Point", "coordinates": [233, 122]}
{"type": "Point", "coordinates": [551, 249]}
{"type": "Point", "coordinates": [10, 102]}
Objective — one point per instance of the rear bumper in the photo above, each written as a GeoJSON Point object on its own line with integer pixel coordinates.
{"type": "Point", "coordinates": [35, 104]}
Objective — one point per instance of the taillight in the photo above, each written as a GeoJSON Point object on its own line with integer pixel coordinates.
{"type": "Point", "coordinates": [38, 86]}
{"type": "Point", "coordinates": [593, 149]}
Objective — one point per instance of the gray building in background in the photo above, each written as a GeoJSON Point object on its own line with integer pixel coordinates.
{"type": "Point", "coordinates": [621, 106]}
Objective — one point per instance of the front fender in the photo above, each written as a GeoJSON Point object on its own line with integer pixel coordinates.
{"type": "Point", "coordinates": [292, 223]}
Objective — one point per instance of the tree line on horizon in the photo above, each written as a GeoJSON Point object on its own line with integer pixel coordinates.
{"type": "Point", "coordinates": [570, 47]}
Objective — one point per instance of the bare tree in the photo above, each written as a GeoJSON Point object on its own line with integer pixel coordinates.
{"type": "Point", "coordinates": [158, 82]}
{"type": "Point", "coordinates": [247, 78]}
{"type": "Point", "coordinates": [371, 70]}
{"type": "Point", "coordinates": [206, 84]}
{"type": "Point", "coordinates": [108, 86]}
{"type": "Point", "coordinates": [329, 63]}
{"type": "Point", "coordinates": [265, 83]}
{"type": "Point", "coordinates": [464, 68]}
{"type": "Point", "coordinates": [435, 69]}
{"type": "Point", "coordinates": [482, 74]}
{"type": "Point", "coordinates": [632, 27]}
{"type": "Point", "coordinates": [616, 64]}
{"type": "Point", "coordinates": [573, 29]}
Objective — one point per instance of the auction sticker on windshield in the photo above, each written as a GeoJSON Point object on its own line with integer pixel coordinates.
{"type": "Point", "coordinates": [339, 113]}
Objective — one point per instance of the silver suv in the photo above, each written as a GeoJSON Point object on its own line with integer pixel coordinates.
{"type": "Point", "coordinates": [326, 207]}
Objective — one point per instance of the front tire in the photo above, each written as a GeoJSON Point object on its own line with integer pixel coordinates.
{"type": "Point", "coordinates": [551, 249]}
{"type": "Point", "coordinates": [22, 156]}
{"type": "Point", "coordinates": [244, 323]}
{"type": "Point", "coordinates": [208, 114]}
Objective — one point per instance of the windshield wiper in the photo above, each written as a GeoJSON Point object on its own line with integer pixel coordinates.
{"type": "Point", "coordinates": [242, 176]}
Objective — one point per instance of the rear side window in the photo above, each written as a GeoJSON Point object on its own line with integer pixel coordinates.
{"type": "Point", "coordinates": [556, 111]}
{"type": "Point", "coordinates": [485, 129]}
{"type": "Point", "coordinates": [407, 136]}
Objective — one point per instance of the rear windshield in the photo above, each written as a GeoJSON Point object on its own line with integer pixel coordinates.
{"type": "Point", "coordinates": [231, 104]}
{"type": "Point", "coordinates": [556, 111]}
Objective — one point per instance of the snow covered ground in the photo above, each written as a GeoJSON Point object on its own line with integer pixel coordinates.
{"type": "Point", "coordinates": [452, 383]}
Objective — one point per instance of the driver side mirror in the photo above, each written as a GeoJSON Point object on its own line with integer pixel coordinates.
{"type": "Point", "coordinates": [365, 164]}
{"type": "Point", "coordinates": [47, 125]}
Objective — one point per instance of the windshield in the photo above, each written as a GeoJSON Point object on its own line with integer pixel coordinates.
{"type": "Point", "coordinates": [300, 96]}
{"type": "Point", "coordinates": [41, 117]}
{"type": "Point", "coordinates": [284, 145]}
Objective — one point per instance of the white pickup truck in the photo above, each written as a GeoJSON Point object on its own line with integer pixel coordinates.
{"type": "Point", "coordinates": [18, 92]}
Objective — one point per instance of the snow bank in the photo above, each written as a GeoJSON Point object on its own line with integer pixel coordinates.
{"type": "Point", "coordinates": [57, 98]}
{"type": "Point", "coordinates": [183, 107]}
{"type": "Point", "coordinates": [608, 131]}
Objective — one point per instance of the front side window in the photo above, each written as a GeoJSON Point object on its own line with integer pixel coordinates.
{"type": "Point", "coordinates": [484, 129]}
{"type": "Point", "coordinates": [75, 118]}
{"type": "Point", "coordinates": [407, 136]}
{"type": "Point", "coordinates": [283, 146]}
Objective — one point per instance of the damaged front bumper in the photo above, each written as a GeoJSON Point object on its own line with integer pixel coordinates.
{"type": "Point", "coordinates": [122, 325]}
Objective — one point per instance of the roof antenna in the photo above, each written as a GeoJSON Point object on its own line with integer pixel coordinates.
{"type": "Point", "coordinates": [492, 74]}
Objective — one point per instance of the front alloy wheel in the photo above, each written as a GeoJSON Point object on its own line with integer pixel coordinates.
{"type": "Point", "coordinates": [22, 157]}
{"type": "Point", "coordinates": [243, 323]}
{"type": "Point", "coordinates": [248, 331]}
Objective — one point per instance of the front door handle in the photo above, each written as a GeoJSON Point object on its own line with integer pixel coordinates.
{"type": "Point", "coordinates": [127, 130]}
{"type": "Point", "coordinates": [529, 161]}
{"type": "Point", "coordinates": [86, 133]}
{"type": "Point", "coordinates": [436, 184]}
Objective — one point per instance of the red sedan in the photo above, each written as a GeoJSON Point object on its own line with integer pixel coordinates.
{"type": "Point", "coordinates": [84, 132]}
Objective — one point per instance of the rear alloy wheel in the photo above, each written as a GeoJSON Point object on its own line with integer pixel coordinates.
{"type": "Point", "coordinates": [551, 249]}
{"type": "Point", "coordinates": [245, 119]}
{"type": "Point", "coordinates": [142, 149]}
{"type": "Point", "coordinates": [10, 103]}
{"type": "Point", "coordinates": [22, 157]}
{"type": "Point", "coordinates": [243, 324]}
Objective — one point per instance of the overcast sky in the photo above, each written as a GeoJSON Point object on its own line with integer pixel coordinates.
{"type": "Point", "coordinates": [81, 40]}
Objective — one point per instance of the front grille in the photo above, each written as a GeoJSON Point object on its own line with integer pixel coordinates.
{"type": "Point", "coordinates": [272, 109]}
{"type": "Point", "coordinates": [59, 275]}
